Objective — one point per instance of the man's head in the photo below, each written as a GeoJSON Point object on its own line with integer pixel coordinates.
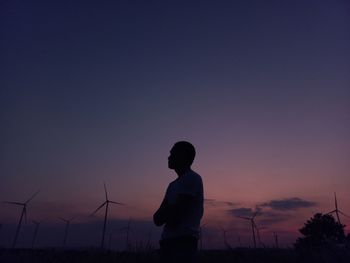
{"type": "Point", "coordinates": [181, 155]}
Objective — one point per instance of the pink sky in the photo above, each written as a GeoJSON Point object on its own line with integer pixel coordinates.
{"type": "Point", "coordinates": [94, 93]}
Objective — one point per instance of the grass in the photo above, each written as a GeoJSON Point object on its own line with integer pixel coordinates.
{"type": "Point", "coordinates": [205, 256]}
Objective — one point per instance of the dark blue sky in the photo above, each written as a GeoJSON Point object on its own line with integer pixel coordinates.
{"type": "Point", "coordinates": [100, 91]}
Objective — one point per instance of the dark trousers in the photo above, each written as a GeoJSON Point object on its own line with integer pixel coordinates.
{"type": "Point", "coordinates": [179, 249]}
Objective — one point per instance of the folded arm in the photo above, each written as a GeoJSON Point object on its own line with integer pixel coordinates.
{"type": "Point", "coordinates": [172, 214]}
{"type": "Point", "coordinates": [160, 216]}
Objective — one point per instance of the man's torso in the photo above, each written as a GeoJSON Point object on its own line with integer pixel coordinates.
{"type": "Point", "coordinates": [189, 184]}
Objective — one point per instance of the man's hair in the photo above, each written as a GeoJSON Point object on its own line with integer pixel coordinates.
{"type": "Point", "coordinates": [187, 150]}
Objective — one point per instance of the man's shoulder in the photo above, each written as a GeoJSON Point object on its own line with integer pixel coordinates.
{"type": "Point", "coordinates": [173, 183]}
{"type": "Point", "coordinates": [193, 174]}
{"type": "Point", "coordinates": [191, 177]}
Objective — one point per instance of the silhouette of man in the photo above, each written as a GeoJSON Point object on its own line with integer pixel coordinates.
{"type": "Point", "coordinates": [182, 207]}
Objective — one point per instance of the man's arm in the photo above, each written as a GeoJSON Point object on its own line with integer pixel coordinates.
{"type": "Point", "coordinates": [172, 214]}
{"type": "Point", "coordinates": [160, 216]}
{"type": "Point", "coordinates": [175, 212]}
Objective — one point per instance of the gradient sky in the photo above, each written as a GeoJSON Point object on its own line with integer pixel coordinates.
{"type": "Point", "coordinates": [94, 92]}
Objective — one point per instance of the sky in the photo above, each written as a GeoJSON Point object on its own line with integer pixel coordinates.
{"type": "Point", "coordinates": [99, 92]}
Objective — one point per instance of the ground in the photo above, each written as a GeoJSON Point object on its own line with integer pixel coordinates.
{"type": "Point", "coordinates": [205, 256]}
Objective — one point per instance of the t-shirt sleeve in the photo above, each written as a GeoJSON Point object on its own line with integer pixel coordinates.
{"type": "Point", "coordinates": [190, 186]}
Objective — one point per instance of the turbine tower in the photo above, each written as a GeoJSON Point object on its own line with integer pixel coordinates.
{"type": "Point", "coordinates": [67, 221]}
{"type": "Point", "coordinates": [110, 241]}
{"type": "Point", "coordinates": [239, 240]}
{"type": "Point", "coordinates": [275, 236]}
{"type": "Point", "coordinates": [148, 243]}
{"type": "Point", "coordinates": [106, 204]}
{"type": "Point", "coordinates": [127, 229]}
{"type": "Point", "coordinates": [336, 210]}
{"type": "Point", "coordinates": [23, 214]}
{"type": "Point", "coordinates": [258, 234]}
{"type": "Point", "coordinates": [253, 225]}
{"type": "Point", "coordinates": [37, 224]}
{"type": "Point", "coordinates": [227, 244]}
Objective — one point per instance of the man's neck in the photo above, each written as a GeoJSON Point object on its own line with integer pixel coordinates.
{"type": "Point", "coordinates": [181, 171]}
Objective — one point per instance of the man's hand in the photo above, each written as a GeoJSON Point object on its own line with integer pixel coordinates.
{"type": "Point", "coordinates": [173, 214]}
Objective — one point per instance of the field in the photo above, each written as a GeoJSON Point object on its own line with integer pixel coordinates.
{"type": "Point", "coordinates": [206, 256]}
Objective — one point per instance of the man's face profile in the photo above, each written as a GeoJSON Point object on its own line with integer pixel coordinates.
{"type": "Point", "coordinates": [172, 159]}
{"type": "Point", "coordinates": [175, 159]}
{"type": "Point", "coordinates": [181, 155]}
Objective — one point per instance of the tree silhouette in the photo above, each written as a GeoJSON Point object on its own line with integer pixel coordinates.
{"type": "Point", "coordinates": [320, 230]}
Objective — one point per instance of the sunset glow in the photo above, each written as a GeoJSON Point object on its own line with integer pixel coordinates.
{"type": "Point", "coordinates": [92, 94]}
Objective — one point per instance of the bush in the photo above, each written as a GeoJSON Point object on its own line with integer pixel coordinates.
{"type": "Point", "coordinates": [320, 231]}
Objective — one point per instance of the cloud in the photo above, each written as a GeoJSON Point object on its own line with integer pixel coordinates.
{"type": "Point", "coordinates": [214, 202]}
{"type": "Point", "coordinates": [288, 204]}
{"type": "Point", "coordinates": [242, 211]}
{"type": "Point", "coordinates": [263, 218]}
{"type": "Point", "coordinates": [271, 218]}
{"type": "Point", "coordinates": [274, 211]}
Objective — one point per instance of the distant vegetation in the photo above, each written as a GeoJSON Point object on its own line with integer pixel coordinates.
{"type": "Point", "coordinates": [319, 231]}
{"type": "Point", "coordinates": [323, 239]}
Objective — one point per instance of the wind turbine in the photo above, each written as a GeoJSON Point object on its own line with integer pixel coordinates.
{"type": "Point", "coordinates": [258, 234]}
{"type": "Point", "coordinates": [23, 214]}
{"type": "Point", "coordinates": [37, 224]}
{"type": "Point", "coordinates": [67, 221]}
{"type": "Point", "coordinates": [148, 243]}
{"type": "Point", "coordinates": [336, 210]}
{"type": "Point", "coordinates": [106, 204]}
{"type": "Point", "coordinates": [239, 240]}
{"type": "Point", "coordinates": [127, 228]}
{"type": "Point", "coordinates": [224, 231]}
{"type": "Point", "coordinates": [276, 239]}
{"type": "Point", "coordinates": [251, 219]}
{"type": "Point", "coordinates": [110, 241]}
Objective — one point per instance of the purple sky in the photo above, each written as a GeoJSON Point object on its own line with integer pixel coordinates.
{"type": "Point", "coordinates": [100, 92]}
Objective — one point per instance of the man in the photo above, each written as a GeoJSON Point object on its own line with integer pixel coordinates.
{"type": "Point", "coordinates": [182, 207]}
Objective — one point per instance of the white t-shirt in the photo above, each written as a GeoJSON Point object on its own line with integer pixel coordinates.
{"type": "Point", "coordinates": [189, 183]}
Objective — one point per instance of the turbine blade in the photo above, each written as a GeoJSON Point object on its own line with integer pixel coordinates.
{"type": "Point", "coordinates": [32, 196]}
{"type": "Point", "coordinates": [335, 201]}
{"type": "Point", "coordinates": [116, 203]}
{"type": "Point", "coordinates": [104, 184]}
{"type": "Point", "coordinates": [61, 218]}
{"type": "Point", "coordinates": [98, 208]}
{"type": "Point", "coordinates": [257, 213]}
{"type": "Point", "coordinates": [14, 203]}
{"type": "Point", "coordinates": [332, 212]}
{"type": "Point", "coordinates": [243, 217]}
{"type": "Point", "coordinates": [343, 214]}
{"type": "Point", "coordinates": [74, 217]}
